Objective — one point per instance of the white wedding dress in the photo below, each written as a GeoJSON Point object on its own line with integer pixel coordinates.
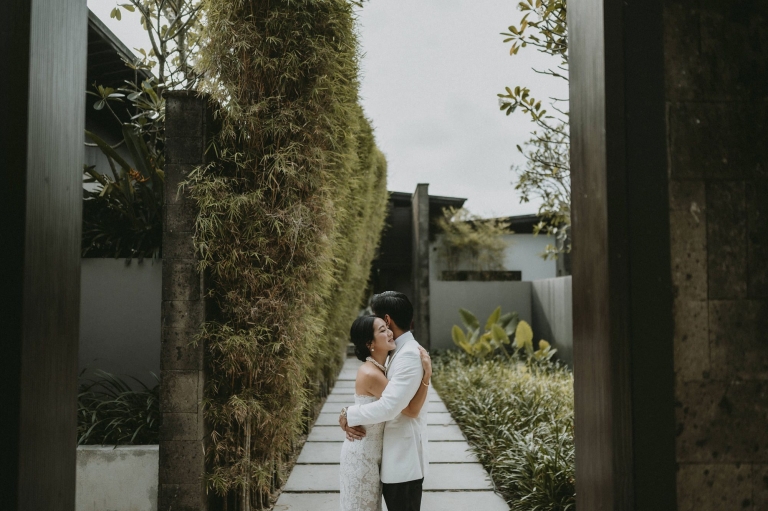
{"type": "Point", "coordinates": [359, 469]}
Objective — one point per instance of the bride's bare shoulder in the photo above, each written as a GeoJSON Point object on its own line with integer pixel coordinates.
{"type": "Point", "coordinates": [368, 371]}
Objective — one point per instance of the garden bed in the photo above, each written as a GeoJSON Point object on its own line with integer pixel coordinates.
{"type": "Point", "coordinates": [518, 419]}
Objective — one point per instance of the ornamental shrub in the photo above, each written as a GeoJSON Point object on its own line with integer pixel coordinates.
{"type": "Point", "coordinates": [110, 411]}
{"type": "Point", "coordinates": [518, 419]}
{"type": "Point", "coordinates": [290, 214]}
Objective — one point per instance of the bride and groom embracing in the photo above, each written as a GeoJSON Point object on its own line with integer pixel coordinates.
{"type": "Point", "coordinates": [386, 447]}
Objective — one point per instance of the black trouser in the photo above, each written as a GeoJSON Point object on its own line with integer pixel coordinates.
{"type": "Point", "coordinates": [403, 496]}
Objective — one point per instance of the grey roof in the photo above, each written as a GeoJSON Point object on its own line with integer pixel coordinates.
{"type": "Point", "coordinates": [106, 56]}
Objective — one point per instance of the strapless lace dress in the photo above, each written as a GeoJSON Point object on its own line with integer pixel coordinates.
{"type": "Point", "coordinates": [359, 469]}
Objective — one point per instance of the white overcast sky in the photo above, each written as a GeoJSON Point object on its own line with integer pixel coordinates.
{"type": "Point", "coordinates": [430, 74]}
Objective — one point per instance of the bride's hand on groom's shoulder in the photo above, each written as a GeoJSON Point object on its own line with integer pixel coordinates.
{"type": "Point", "coordinates": [426, 362]}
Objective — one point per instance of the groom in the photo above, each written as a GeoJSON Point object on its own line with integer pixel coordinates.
{"type": "Point", "coordinates": [404, 460]}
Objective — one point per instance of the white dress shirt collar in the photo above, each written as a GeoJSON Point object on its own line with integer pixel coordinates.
{"type": "Point", "coordinates": [403, 339]}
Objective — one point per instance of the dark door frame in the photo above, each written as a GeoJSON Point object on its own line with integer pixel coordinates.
{"type": "Point", "coordinates": [43, 47]}
{"type": "Point", "coordinates": [622, 292]}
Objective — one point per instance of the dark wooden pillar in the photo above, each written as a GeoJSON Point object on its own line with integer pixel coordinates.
{"type": "Point", "coordinates": [182, 461]}
{"type": "Point", "coordinates": [623, 350]}
{"type": "Point", "coordinates": [420, 248]}
{"type": "Point", "coordinates": [42, 112]}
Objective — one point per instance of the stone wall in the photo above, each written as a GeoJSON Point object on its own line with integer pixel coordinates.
{"type": "Point", "coordinates": [182, 446]}
{"type": "Point", "coordinates": [716, 66]}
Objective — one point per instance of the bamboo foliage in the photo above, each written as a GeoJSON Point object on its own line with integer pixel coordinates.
{"type": "Point", "coordinates": [290, 214]}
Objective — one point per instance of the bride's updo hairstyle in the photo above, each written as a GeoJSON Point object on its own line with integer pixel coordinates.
{"type": "Point", "coordinates": [361, 334]}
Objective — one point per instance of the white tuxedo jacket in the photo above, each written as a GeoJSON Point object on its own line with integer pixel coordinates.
{"type": "Point", "coordinates": [405, 439]}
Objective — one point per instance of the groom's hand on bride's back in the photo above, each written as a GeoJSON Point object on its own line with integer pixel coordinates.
{"type": "Point", "coordinates": [353, 432]}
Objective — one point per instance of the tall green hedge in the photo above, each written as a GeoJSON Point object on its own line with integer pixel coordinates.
{"type": "Point", "coordinates": [290, 216]}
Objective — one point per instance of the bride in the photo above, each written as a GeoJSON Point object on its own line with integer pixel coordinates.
{"type": "Point", "coordinates": [361, 459]}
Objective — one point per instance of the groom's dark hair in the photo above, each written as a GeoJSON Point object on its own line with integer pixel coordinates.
{"type": "Point", "coordinates": [397, 305]}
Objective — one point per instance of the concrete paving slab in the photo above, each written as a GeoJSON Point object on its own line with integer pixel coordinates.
{"type": "Point", "coordinates": [345, 384]}
{"type": "Point", "coordinates": [439, 452]}
{"type": "Point", "coordinates": [436, 407]}
{"type": "Point", "coordinates": [435, 433]}
{"type": "Point", "coordinates": [455, 477]}
{"type": "Point", "coordinates": [446, 476]}
{"type": "Point", "coordinates": [331, 407]}
{"type": "Point", "coordinates": [342, 390]}
{"type": "Point", "coordinates": [322, 452]}
{"type": "Point", "coordinates": [431, 501]}
{"type": "Point", "coordinates": [328, 419]}
{"type": "Point", "coordinates": [461, 501]}
{"type": "Point", "coordinates": [449, 452]}
{"type": "Point", "coordinates": [326, 434]}
{"type": "Point", "coordinates": [442, 433]}
{"type": "Point", "coordinates": [307, 502]}
{"type": "Point", "coordinates": [313, 478]}
{"type": "Point", "coordinates": [440, 418]}
{"type": "Point", "coordinates": [348, 399]}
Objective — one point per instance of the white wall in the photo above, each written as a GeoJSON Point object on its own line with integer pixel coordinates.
{"type": "Point", "coordinates": [117, 479]}
{"type": "Point", "coordinates": [522, 254]}
{"type": "Point", "coordinates": [120, 317]}
{"type": "Point", "coordinates": [480, 298]}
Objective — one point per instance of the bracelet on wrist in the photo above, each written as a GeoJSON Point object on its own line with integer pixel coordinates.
{"type": "Point", "coordinates": [425, 384]}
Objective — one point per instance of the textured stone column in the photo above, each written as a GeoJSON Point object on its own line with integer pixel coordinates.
{"type": "Point", "coordinates": [716, 65]}
{"type": "Point", "coordinates": [420, 248]}
{"type": "Point", "coordinates": [182, 445]}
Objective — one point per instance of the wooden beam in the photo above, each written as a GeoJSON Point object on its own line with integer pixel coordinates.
{"type": "Point", "coordinates": [623, 352]}
{"type": "Point", "coordinates": [43, 115]}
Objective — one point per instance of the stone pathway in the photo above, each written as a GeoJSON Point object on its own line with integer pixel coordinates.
{"type": "Point", "coordinates": [456, 481]}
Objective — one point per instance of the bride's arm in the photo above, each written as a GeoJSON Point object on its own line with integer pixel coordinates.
{"type": "Point", "coordinates": [414, 407]}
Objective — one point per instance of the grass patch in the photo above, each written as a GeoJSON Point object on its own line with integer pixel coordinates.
{"type": "Point", "coordinates": [518, 418]}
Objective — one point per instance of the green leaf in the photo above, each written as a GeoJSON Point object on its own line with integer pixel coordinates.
{"type": "Point", "coordinates": [107, 150]}
{"type": "Point", "coordinates": [493, 318]}
{"type": "Point", "coordinates": [469, 319]}
{"type": "Point", "coordinates": [458, 336]}
{"type": "Point", "coordinates": [507, 318]}
{"type": "Point", "coordinates": [138, 150]}
{"type": "Point", "coordinates": [523, 335]}
{"type": "Point", "coordinates": [500, 335]}
{"type": "Point", "coordinates": [115, 14]}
